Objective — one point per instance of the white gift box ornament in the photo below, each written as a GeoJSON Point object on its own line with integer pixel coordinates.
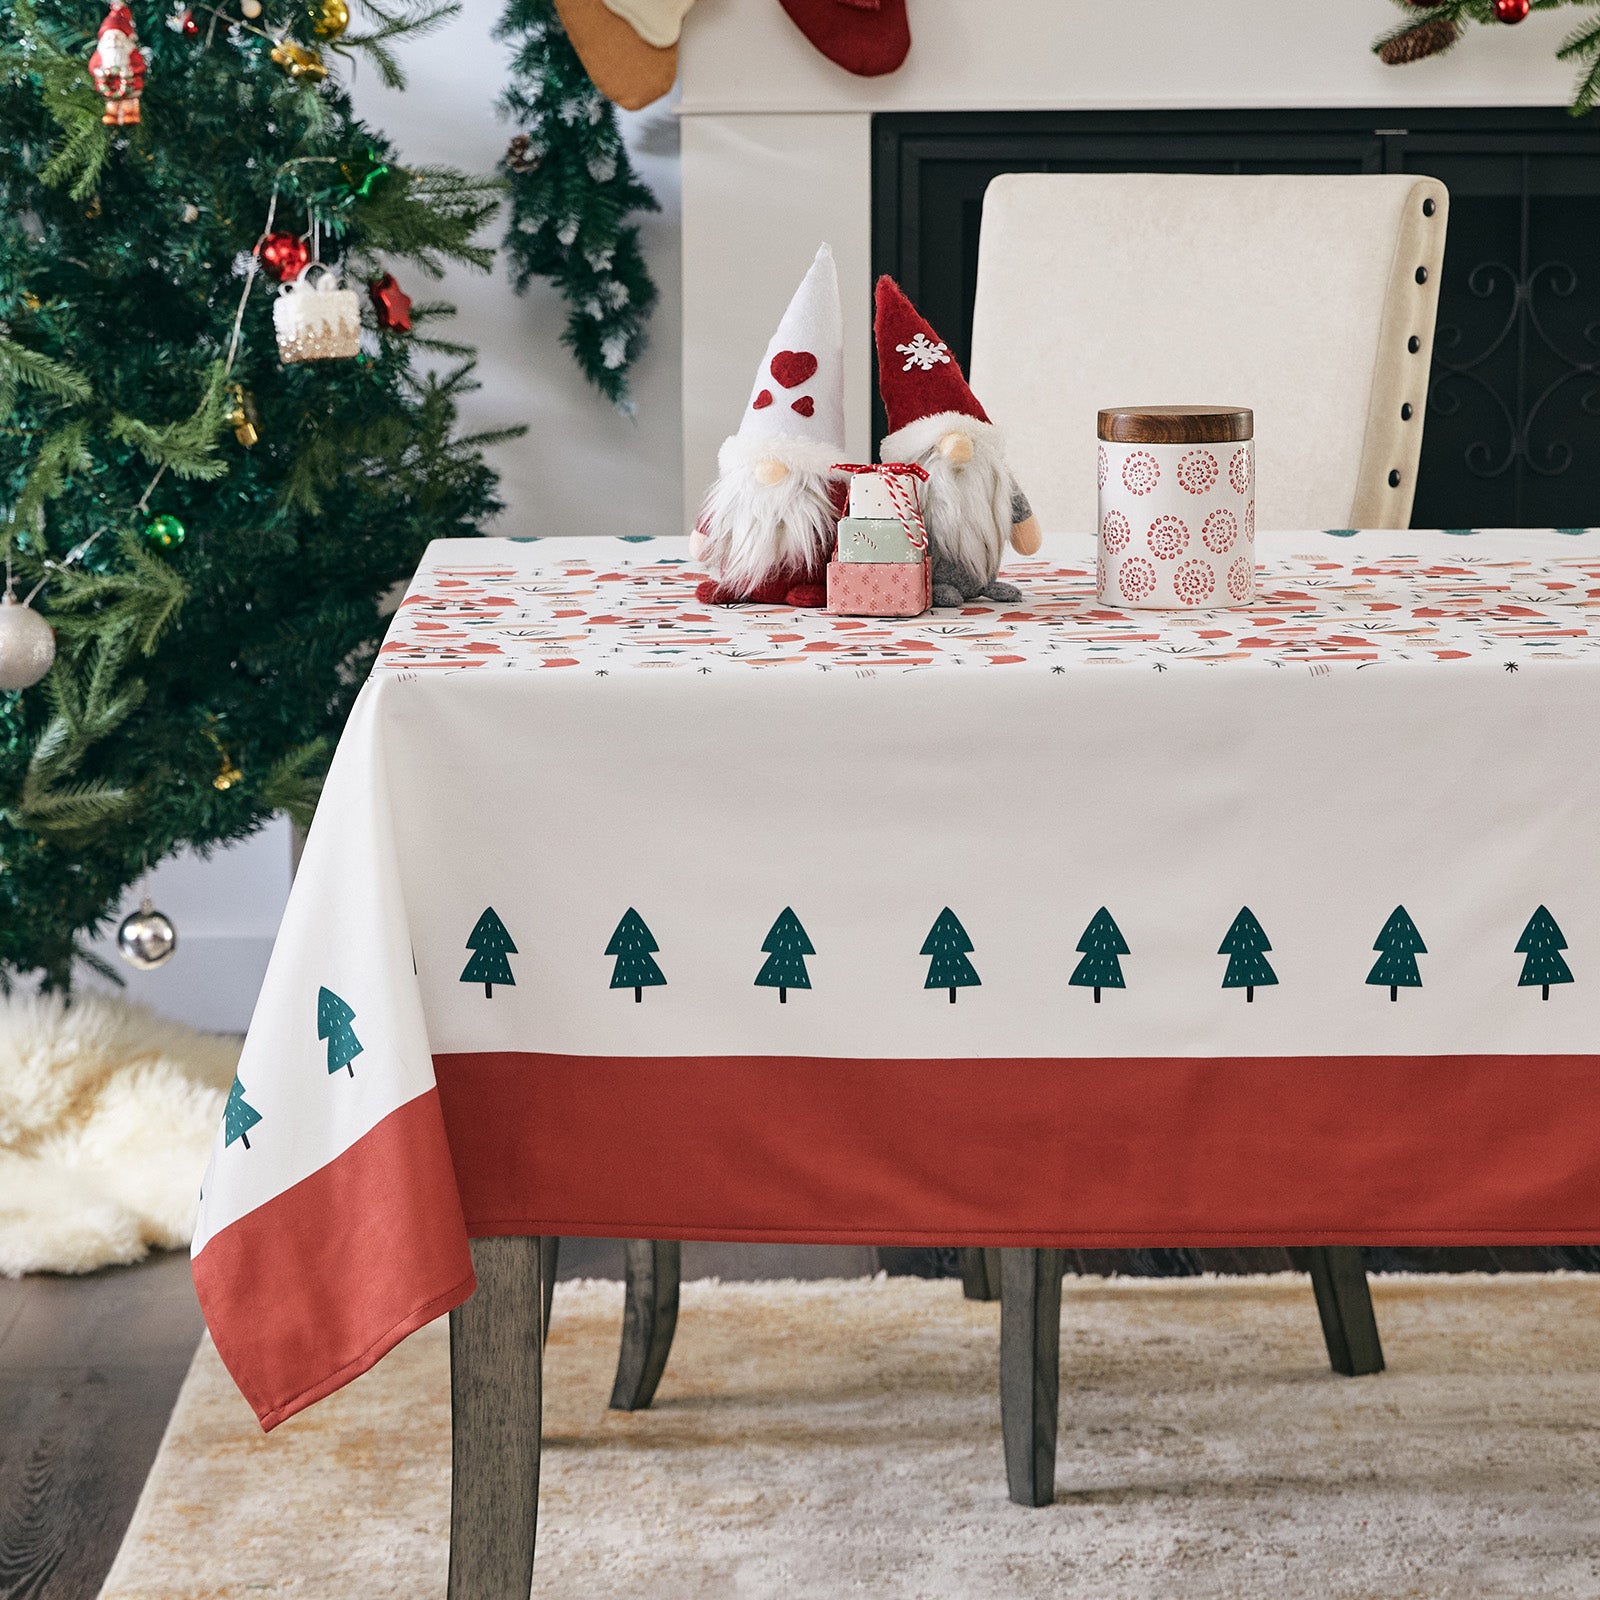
{"type": "Point", "coordinates": [316, 318]}
{"type": "Point", "coordinates": [1177, 507]}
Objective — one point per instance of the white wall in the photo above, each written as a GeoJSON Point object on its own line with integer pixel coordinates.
{"type": "Point", "coordinates": [583, 467]}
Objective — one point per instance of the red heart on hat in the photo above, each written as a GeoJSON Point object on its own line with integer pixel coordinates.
{"type": "Point", "coordinates": [805, 405]}
{"type": "Point", "coordinates": [762, 401]}
{"type": "Point", "coordinates": [792, 367]}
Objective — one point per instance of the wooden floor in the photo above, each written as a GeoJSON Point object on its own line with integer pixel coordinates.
{"type": "Point", "coordinates": [90, 1367]}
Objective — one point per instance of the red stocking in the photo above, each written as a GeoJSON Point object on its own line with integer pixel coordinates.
{"type": "Point", "coordinates": [867, 37]}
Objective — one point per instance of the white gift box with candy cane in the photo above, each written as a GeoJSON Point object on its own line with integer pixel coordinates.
{"type": "Point", "coordinates": [1177, 507]}
{"type": "Point", "coordinates": [882, 566]}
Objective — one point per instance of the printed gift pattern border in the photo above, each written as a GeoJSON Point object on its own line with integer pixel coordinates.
{"type": "Point", "coordinates": [1331, 605]}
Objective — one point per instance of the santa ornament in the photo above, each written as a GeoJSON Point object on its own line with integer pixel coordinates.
{"type": "Point", "coordinates": [769, 521]}
{"type": "Point", "coordinates": [971, 504]}
{"type": "Point", "coordinates": [117, 68]}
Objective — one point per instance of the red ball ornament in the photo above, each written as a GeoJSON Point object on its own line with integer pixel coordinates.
{"type": "Point", "coordinates": [284, 256]}
{"type": "Point", "coordinates": [1510, 10]}
{"type": "Point", "coordinates": [393, 303]}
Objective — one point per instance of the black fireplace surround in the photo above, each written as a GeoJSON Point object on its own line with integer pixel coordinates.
{"type": "Point", "coordinates": [1513, 421]}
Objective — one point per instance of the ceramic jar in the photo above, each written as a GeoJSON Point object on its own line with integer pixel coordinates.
{"type": "Point", "coordinates": [1177, 507]}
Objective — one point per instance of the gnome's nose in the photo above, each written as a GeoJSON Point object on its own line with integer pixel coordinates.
{"type": "Point", "coordinates": [770, 470]}
{"type": "Point", "coordinates": [956, 448]}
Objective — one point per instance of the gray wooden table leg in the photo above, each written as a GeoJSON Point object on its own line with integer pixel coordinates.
{"type": "Point", "coordinates": [549, 1259]}
{"type": "Point", "coordinates": [496, 1350]}
{"type": "Point", "coordinates": [649, 1318]}
{"type": "Point", "coordinates": [980, 1274]}
{"type": "Point", "coordinates": [1344, 1302]}
{"type": "Point", "coordinates": [1030, 1371]}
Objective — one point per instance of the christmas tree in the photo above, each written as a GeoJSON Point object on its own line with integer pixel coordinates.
{"type": "Point", "coordinates": [239, 1117]}
{"type": "Point", "coordinates": [787, 947]}
{"type": "Point", "coordinates": [491, 945]}
{"type": "Point", "coordinates": [1541, 944]}
{"type": "Point", "coordinates": [207, 528]}
{"type": "Point", "coordinates": [948, 944]}
{"type": "Point", "coordinates": [333, 1024]}
{"type": "Point", "coordinates": [632, 945]}
{"type": "Point", "coordinates": [1399, 945]}
{"type": "Point", "coordinates": [1245, 945]}
{"type": "Point", "coordinates": [1102, 943]}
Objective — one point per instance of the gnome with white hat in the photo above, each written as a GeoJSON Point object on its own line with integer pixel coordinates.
{"type": "Point", "coordinates": [971, 504]}
{"type": "Point", "coordinates": [770, 521]}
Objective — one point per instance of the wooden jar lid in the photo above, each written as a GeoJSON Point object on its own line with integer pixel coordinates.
{"type": "Point", "coordinates": [1177, 424]}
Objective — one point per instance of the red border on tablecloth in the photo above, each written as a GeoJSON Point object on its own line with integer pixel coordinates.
{"type": "Point", "coordinates": [311, 1289]}
{"type": "Point", "coordinates": [1470, 1149]}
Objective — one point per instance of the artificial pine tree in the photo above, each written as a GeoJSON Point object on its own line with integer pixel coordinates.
{"type": "Point", "coordinates": [334, 1019]}
{"type": "Point", "coordinates": [634, 945]}
{"type": "Point", "coordinates": [491, 945]}
{"type": "Point", "coordinates": [212, 528]}
{"type": "Point", "coordinates": [1399, 944]}
{"type": "Point", "coordinates": [948, 943]}
{"type": "Point", "coordinates": [572, 189]}
{"type": "Point", "coordinates": [787, 945]}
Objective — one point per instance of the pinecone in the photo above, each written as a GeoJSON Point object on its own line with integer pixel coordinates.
{"type": "Point", "coordinates": [1415, 44]}
{"type": "Point", "coordinates": [517, 154]}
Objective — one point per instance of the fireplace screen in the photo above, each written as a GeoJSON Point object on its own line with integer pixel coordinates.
{"type": "Point", "coordinates": [1513, 422]}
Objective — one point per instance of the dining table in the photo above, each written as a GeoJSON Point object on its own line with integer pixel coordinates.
{"type": "Point", "coordinates": [1033, 925]}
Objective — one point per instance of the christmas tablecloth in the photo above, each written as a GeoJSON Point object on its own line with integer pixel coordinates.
{"type": "Point", "coordinates": [1041, 924]}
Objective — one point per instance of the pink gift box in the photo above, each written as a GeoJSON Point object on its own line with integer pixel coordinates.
{"type": "Point", "coordinates": [879, 588]}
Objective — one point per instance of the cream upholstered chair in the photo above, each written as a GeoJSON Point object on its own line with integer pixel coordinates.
{"type": "Point", "coordinates": [1309, 299]}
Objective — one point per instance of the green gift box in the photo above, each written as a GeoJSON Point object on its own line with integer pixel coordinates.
{"type": "Point", "coordinates": [877, 539]}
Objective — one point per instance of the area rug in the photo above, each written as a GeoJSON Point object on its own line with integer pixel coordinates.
{"type": "Point", "coordinates": [106, 1118]}
{"type": "Point", "coordinates": [843, 1438]}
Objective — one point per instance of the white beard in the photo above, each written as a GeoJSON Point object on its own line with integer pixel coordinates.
{"type": "Point", "coordinates": [967, 509]}
{"type": "Point", "coordinates": [752, 529]}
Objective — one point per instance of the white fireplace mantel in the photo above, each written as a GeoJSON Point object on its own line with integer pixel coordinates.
{"type": "Point", "coordinates": [777, 140]}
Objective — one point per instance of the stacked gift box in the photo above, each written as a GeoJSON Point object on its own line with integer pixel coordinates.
{"type": "Point", "coordinates": [881, 567]}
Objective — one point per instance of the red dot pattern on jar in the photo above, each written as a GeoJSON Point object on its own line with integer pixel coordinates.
{"type": "Point", "coordinates": [1195, 581]}
{"type": "Point", "coordinates": [1136, 578]}
{"type": "Point", "coordinates": [1219, 531]}
{"type": "Point", "coordinates": [1115, 532]}
{"type": "Point", "coordinates": [1241, 576]}
{"type": "Point", "coordinates": [1102, 467]}
{"type": "Point", "coordinates": [1141, 472]}
{"type": "Point", "coordinates": [1239, 471]}
{"type": "Point", "coordinates": [1168, 538]}
{"type": "Point", "coordinates": [1197, 471]}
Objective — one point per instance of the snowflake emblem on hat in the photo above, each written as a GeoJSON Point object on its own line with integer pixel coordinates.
{"type": "Point", "coordinates": [923, 352]}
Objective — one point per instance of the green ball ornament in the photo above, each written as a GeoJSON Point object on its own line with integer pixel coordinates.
{"type": "Point", "coordinates": [165, 532]}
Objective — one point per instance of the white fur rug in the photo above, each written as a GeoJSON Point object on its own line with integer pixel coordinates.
{"type": "Point", "coordinates": [106, 1118]}
{"type": "Point", "coordinates": [821, 1440]}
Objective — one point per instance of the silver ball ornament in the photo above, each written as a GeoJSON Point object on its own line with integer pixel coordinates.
{"type": "Point", "coordinates": [146, 938]}
{"type": "Point", "coordinates": [27, 644]}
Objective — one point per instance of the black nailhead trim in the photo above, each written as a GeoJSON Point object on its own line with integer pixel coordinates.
{"type": "Point", "coordinates": [1405, 412]}
{"type": "Point", "coordinates": [1427, 208]}
{"type": "Point", "coordinates": [1394, 480]}
{"type": "Point", "coordinates": [1413, 344]}
{"type": "Point", "coordinates": [1422, 274]}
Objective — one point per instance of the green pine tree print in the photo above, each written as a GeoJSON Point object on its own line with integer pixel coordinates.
{"type": "Point", "coordinates": [238, 1116]}
{"type": "Point", "coordinates": [632, 944]}
{"type": "Point", "coordinates": [1398, 945]}
{"type": "Point", "coordinates": [1102, 943]}
{"type": "Point", "coordinates": [1245, 945]}
{"type": "Point", "coordinates": [333, 1024]}
{"type": "Point", "coordinates": [947, 943]}
{"type": "Point", "coordinates": [490, 944]}
{"type": "Point", "coordinates": [787, 947]}
{"type": "Point", "coordinates": [1541, 943]}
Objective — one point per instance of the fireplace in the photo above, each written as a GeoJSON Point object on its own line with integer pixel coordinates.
{"type": "Point", "coordinates": [1513, 420]}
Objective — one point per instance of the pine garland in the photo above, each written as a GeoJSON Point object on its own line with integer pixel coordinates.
{"type": "Point", "coordinates": [1443, 22]}
{"type": "Point", "coordinates": [572, 187]}
{"type": "Point", "coordinates": [197, 689]}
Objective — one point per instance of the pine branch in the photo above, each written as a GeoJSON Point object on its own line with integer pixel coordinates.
{"type": "Point", "coordinates": [69, 100]}
{"type": "Point", "coordinates": [21, 367]}
{"type": "Point", "coordinates": [188, 446]}
{"type": "Point", "coordinates": [292, 788]}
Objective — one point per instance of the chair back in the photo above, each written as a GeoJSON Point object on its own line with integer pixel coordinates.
{"type": "Point", "coordinates": [1309, 299]}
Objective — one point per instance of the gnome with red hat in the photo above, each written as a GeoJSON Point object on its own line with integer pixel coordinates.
{"type": "Point", "coordinates": [769, 522]}
{"type": "Point", "coordinates": [971, 504]}
{"type": "Point", "coordinates": [117, 67]}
